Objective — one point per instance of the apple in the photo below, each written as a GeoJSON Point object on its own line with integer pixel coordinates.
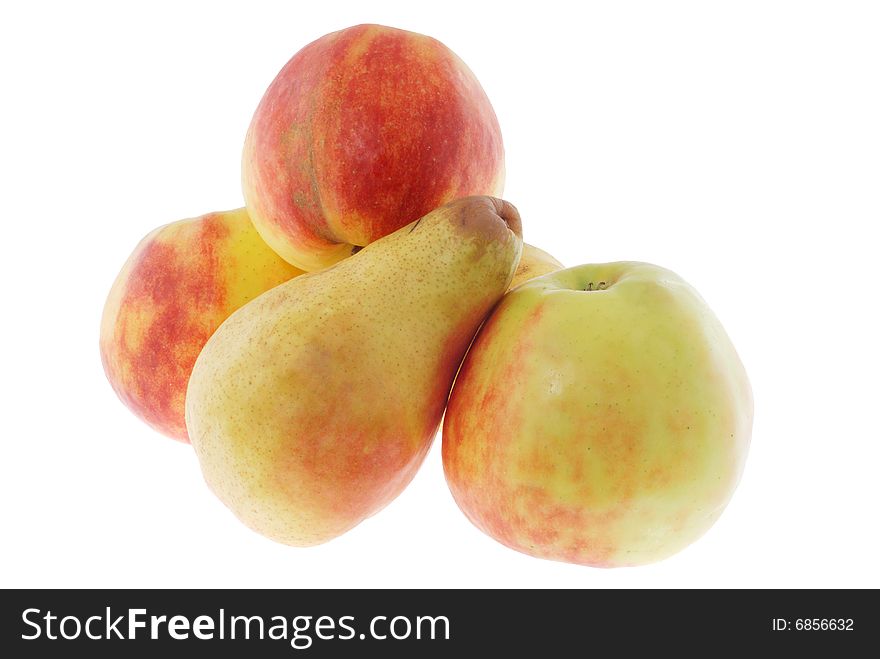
{"type": "Point", "coordinates": [362, 132]}
{"type": "Point", "coordinates": [601, 417]}
{"type": "Point", "coordinates": [534, 262]}
{"type": "Point", "coordinates": [180, 283]}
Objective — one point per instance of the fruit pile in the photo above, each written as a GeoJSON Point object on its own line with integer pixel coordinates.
{"type": "Point", "coordinates": [307, 345]}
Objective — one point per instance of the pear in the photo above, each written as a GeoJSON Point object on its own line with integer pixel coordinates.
{"type": "Point", "coordinates": [313, 405]}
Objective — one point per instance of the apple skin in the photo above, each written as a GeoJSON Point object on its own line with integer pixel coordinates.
{"type": "Point", "coordinates": [534, 263]}
{"type": "Point", "coordinates": [601, 427]}
{"type": "Point", "coordinates": [180, 283]}
{"type": "Point", "coordinates": [362, 132]}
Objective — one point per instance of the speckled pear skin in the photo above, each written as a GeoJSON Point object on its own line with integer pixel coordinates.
{"type": "Point", "coordinates": [312, 407]}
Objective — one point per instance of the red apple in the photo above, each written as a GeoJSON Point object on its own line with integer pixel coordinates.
{"type": "Point", "coordinates": [180, 283]}
{"type": "Point", "coordinates": [362, 132]}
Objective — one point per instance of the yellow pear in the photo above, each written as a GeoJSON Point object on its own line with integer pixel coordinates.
{"type": "Point", "coordinates": [313, 406]}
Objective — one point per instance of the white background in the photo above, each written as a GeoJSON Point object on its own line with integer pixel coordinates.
{"type": "Point", "coordinates": [735, 143]}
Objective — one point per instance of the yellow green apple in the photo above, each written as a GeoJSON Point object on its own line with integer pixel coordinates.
{"type": "Point", "coordinates": [182, 280]}
{"type": "Point", "coordinates": [534, 263]}
{"type": "Point", "coordinates": [313, 406]}
{"type": "Point", "coordinates": [601, 417]}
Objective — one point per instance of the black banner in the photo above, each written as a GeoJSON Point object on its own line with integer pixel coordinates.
{"type": "Point", "coordinates": [431, 623]}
